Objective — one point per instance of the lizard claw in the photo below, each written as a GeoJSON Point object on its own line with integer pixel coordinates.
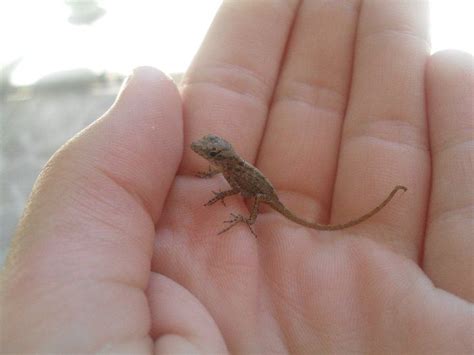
{"type": "Point", "coordinates": [237, 218]}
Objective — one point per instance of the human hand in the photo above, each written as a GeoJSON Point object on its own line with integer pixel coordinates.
{"type": "Point", "coordinates": [116, 252]}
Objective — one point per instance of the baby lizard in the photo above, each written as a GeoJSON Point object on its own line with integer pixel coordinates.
{"type": "Point", "coordinates": [247, 180]}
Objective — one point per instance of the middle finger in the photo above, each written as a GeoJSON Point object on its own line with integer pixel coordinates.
{"type": "Point", "coordinates": [300, 146]}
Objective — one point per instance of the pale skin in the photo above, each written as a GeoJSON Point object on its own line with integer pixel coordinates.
{"type": "Point", "coordinates": [115, 251]}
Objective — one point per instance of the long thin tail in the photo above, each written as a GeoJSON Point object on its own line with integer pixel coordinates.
{"type": "Point", "coordinates": [331, 227]}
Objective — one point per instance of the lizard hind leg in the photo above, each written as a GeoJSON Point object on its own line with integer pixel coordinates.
{"type": "Point", "coordinates": [238, 218]}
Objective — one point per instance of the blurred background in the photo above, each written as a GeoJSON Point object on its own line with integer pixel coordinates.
{"type": "Point", "coordinates": [63, 61]}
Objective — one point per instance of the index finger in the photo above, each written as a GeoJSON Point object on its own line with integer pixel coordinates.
{"type": "Point", "coordinates": [228, 87]}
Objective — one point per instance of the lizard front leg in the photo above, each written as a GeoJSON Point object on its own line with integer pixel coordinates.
{"type": "Point", "coordinates": [221, 195]}
{"type": "Point", "coordinates": [238, 218]}
{"type": "Point", "coordinates": [209, 173]}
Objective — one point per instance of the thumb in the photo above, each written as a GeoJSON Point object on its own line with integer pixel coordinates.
{"type": "Point", "coordinates": [80, 260]}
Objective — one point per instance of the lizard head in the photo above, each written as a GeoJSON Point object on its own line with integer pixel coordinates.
{"type": "Point", "coordinates": [213, 148]}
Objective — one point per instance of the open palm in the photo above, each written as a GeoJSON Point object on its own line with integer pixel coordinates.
{"type": "Point", "coordinates": [336, 103]}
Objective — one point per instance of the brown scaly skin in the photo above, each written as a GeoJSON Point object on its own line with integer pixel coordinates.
{"type": "Point", "coordinates": [247, 180]}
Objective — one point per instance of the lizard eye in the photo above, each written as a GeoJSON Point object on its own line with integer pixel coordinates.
{"type": "Point", "coordinates": [213, 154]}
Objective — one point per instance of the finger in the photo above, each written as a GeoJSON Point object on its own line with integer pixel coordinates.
{"type": "Point", "coordinates": [384, 140]}
{"type": "Point", "coordinates": [227, 89]}
{"type": "Point", "coordinates": [83, 248]}
{"type": "Point", "coordinates": [449, 242]}
{"type": "Point", "coordinates": [301, 142]}
{"type": "Point", "coordinates": [180, 323]}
